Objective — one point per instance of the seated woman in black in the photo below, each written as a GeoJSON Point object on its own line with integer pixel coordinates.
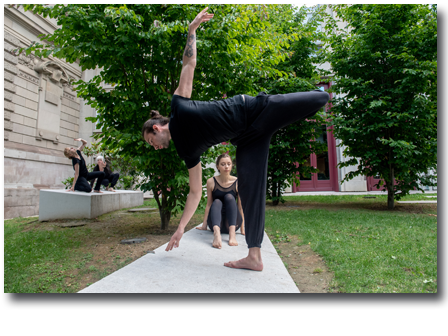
{"type": "Point", "coordinates": [82, 175]}
{"type": "Point", "coordinates": [110, 179]}
{"type": "Point", "coordinates": [221, 213]}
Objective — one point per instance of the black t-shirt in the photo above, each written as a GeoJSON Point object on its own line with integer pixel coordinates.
{"type": "Point", "coordinates": [82, 164]}
{"type": "Point", "coordinates": [196, 125]}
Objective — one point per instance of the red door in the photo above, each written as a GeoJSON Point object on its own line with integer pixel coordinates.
{"type": "Point", "coordinates": [326, 179]}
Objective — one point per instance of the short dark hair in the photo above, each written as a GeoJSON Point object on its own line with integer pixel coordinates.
{"type": "Point", "coordinates": [156, 119]}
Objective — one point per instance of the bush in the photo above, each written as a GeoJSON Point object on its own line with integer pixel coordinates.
{"type": "Point", "coordinates": [68, 182]}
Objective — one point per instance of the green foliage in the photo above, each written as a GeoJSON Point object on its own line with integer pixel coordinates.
{"type": "Point", "coordinates": [291, 146]}
{"type": "Point", "coordinates": [68, 182]}
{"type": "Point", "coordinates": [385, 65]}
{"type": "Point", "coordinates": [139, 50]}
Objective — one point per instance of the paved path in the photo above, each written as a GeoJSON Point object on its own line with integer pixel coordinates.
{"type": "Point", "coordinates": [196, 267]}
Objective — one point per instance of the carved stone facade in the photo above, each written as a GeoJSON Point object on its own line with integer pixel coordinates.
{"type": "Point", "coordinates": [42, 115]}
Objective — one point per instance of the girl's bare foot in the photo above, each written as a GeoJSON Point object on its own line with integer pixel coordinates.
{"type": "Point", "coordinates": [111, 189]}
{"type": "Point", "coordinates": [98, 191]}
{"type": "Point", "coordinates": [217, 237]}
{"type": "Point", "coordinates": [232, 236]}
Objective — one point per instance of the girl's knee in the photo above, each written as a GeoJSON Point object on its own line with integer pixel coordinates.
{"type": "Point", "coordinates": [229, 198]}
{"type": "Point", "coordinates": [217, 202]}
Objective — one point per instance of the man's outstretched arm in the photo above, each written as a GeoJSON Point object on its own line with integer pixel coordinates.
{"type": "Point", "coordinates": [193, 198]}
{"type": "Point", "coordinates": [185, 87]}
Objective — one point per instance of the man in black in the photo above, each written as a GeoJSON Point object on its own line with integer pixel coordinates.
{"type": "Point", "coordinates": [249, 122]}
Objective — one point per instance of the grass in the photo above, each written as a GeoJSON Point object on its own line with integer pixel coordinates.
{"type": "Point", "coordinates": [369, 251]}
{"type": "Point", "coordinates": [41, 257]}
{"type": "Point", "coordinates": [357, 198]}
{"type": "Point", "coordinates": [368, 248]}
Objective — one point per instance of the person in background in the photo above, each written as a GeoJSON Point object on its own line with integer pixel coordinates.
{"type": "Point", "coordinates": [222, 214]}
{"type": "Point", "coordinates": [110, 179]}
{"type": "Point", "coordinates": [82, 175]}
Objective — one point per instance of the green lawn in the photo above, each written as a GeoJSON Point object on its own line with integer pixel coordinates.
{"type": "Point", "coordinates": [369, 248]}
{"type": "Point", "coordinates": [356, 198]}
{"type": "Point", "coordinates": [369, 251]}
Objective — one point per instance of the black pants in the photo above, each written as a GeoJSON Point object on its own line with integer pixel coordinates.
{"type": "Point", "coordinates": [224, 214]}
{"type": "Point", "coordinates": [83, 185]}
{"type": "Point", "coordinates": [266, 114]}
{"type": "Point", "coordinates": [112, 180]}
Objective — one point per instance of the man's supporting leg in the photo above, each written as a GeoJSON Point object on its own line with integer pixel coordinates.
{"type": "Point", "coordinates": [252, 165]}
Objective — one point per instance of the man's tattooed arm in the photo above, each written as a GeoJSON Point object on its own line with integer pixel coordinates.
{"type": "Point", "coordinates": [191, 46]}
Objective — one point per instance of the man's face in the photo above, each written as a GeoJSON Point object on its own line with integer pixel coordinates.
{"type": "Point", "coordinates": [159, 140]}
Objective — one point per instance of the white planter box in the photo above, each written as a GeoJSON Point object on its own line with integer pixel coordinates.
{"type": "Point", "coordinates": [60, 204]}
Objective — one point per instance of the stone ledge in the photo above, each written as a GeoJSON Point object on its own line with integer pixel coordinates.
{"type": "Point", "coordinates": [60, 204]}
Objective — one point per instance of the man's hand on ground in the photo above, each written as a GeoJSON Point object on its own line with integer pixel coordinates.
{"type": "Point", "coordinates": [175, 239]}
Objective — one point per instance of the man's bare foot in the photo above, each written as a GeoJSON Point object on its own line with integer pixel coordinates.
{"type": "Point", "coordinates": [252, 261]}
{"type": "Point", "coordinates": [98, 191]}
{"type": "Point", "coordinates": [111, 189]}
{"type": "Point", "coordinates": [217, 237]}
{"type": "Point", "coordinates": [246, 263]}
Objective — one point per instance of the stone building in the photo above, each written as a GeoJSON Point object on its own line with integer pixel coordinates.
{"type": "Point", "coordinates": [42, 115]}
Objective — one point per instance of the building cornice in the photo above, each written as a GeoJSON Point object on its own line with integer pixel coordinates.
{"type": "Point", "coordinates": [19, 16]}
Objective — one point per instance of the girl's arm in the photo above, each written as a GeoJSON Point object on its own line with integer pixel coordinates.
{"type": "Point", "coordinates": [240, 209]}
{"type": "Point", "coordinates": [76, 177]}
{"type": "Point", "coordinates": [80, 148]}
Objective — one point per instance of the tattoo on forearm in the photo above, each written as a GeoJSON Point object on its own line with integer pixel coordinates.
{"type": "Point", "coordinates": [189, 50]}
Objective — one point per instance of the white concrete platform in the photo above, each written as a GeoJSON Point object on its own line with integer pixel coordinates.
{"type": "Point", "coordinates": [61, 204]}
{"type": "Point", "coordinates": [196, 267]}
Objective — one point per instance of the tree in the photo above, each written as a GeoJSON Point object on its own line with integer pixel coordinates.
{"type": "Point", "coordinates": [385, 66]}
{"type": "Point", "coordinates": [139, 50]}
{"type": "Point", "coordinates": [291, 146]}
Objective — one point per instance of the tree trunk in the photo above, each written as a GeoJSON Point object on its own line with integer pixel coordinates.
{"type": "Point", "coordinates": [165, 217]}
{"type": "Point", "coordinates": [165, 214]}
{"type": "Point", "coordinates": [274, 194]}
{"type": "Point", "coordinates": [390, 190]}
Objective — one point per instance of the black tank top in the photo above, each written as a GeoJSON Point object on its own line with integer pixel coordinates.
{"type": "Point", "coordinates": [219, 192]}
